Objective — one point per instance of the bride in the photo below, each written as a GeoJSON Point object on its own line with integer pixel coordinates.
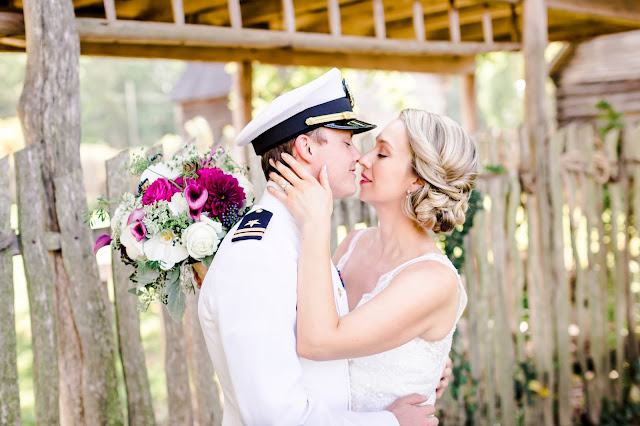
{"type": "Point", "coordinates": [405, 297]}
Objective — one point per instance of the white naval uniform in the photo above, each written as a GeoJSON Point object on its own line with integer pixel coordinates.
{"type": "Point", "coordinates": [247, 311]}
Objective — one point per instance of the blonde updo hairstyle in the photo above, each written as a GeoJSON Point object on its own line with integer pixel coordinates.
{"type": "Point", "coordinates": [445, 158]}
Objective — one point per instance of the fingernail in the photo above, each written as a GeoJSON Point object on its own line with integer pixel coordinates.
{"type": "Point", "coordinates": [284, 154]}
{"type": "Point", "coordinates": [271, 162]}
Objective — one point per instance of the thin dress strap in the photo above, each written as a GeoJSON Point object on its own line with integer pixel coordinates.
{"type": "Point", "coordinates": [345, 257]}
{"type": "Point", "coordinates": [440, 258]}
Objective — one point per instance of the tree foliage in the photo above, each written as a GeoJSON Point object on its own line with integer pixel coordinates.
{"type": "Point", "coordinates": [102, 95]}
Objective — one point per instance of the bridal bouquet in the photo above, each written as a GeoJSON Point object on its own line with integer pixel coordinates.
{"type": "Point", "coordinates": [183, 208]}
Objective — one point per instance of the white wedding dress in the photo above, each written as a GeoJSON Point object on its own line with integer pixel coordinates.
{"type": "Point", "coordinates": [415, 367]}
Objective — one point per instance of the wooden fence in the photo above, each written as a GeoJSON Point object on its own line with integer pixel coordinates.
{"type": "Point", "coordinates": [526, 337]}
{"type": "Point", "coordinates": [514, 343]}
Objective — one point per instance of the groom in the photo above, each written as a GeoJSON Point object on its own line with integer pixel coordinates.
{"type": "Point", "coordinates": [247, 307]}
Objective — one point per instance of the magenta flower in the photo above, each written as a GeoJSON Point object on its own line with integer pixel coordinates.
{"type": "Point", "coordinates": [225, 193]}
{"type": "Point", "coordinates": [103, 240]}
{"type": "Point", "coordinates": [136, 216]}
{"type": "Point", "coordinates": [160, 189]}
{"type": "Point", "coordinates": [139, 231]}
{"type": "Point", "coordinates": [196, 196]}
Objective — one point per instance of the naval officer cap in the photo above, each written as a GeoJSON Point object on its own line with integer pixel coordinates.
{"type": "Point", "coordinates": [323, 102]}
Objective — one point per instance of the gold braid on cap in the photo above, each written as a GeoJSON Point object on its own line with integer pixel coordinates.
{"type": "Point", "coordinates": [346, 115]}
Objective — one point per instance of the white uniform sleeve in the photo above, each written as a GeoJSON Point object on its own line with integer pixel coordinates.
{"type": "Point", "coordinates": [256, 312]}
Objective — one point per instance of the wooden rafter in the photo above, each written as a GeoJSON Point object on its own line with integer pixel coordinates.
{"type": "Point", "coordinates": [433, 63]}
{"type": "Point", "coordinates": [156, 33]}
{"type": "Point", "coordinates": [110, 10]}
{"type": "Point", "coordinates": [622, 11]}
{"type": "Point", "coordinates": [418, 20]}
{"type": "Point", "coordinates": [335, 21]}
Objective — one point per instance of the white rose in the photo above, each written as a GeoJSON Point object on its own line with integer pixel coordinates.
{"type": "Point", "coordinates": [178, 203]}
{"type": "Point", "coordinates": [246, 185]}
{"type": "Point", "coordinates": [202, 238]}
{"type": "Point", "coordinates": [135, 249]}
{"type": "Point", "coordinates": [161, 248]}
{"type": "Point", "coordinates": [159, 170]}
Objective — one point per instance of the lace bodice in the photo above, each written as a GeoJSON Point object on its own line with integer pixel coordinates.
{"type": "Point", "coordinates": [415, 367]}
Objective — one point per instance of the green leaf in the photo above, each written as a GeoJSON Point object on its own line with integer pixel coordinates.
{"type": "Point", "coordinates": [207, 261]}
{"type": "Point", "coordinates": [135, 290]}
{"type": "Point", "coordinates": [176, 299]}
{"type": "Point", "coordinates": [145, 276]}
{"type": "Point", "coordinates": [497, 169]}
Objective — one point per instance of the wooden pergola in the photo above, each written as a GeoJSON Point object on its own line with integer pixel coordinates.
{"type": "Point", "coordinates": [408, 35]}
{"type": "Point", "coordinates": [441, 36]}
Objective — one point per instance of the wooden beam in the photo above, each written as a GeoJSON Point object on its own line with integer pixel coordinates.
{"type": "Point", "coordinates": [334, 17]}
{"type": "Point", "coordinates": [178, 12]}
{"type": "Point", "coordinates": [378, 19]}
{"type": "Point", "coordinates": [418, 20]}
{"type": "Point", "coordinates": [515, 31]}
{"type": "Point", "coordinates": [623, 10]}
{"type": "Point", "coordinates": [469, 106]}
{"type": "Point", "coordinates": [560, 60]}
{"type": "Point", "coordinates": [454, 23]}
{"type": "Point", "coordinates": [437, 27]}
{"type": "Point", "coordinates": [235, 14]}
{"type": "Point", "coordinates": [14, 41]}
{"type": "Point", "coordinates": [459, 64]}
{"type": "Point", "coordinates": [110, 10]}
{"type": "Point", "coordinates": [84, 3]}
{"type": "Point", "coordinates": [289, 16]}
{"type": "Point", "coordinates": [487, 26]}
{"type": "Point", "coordinates": [157, 33]}
{"type": "Point", "coordinates": [11, 23]}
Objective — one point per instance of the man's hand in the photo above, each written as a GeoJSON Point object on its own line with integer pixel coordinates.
{"type": "Point", "coordinates": [444, 380]}
{"type": "Point", "coordinates": [409, 414]}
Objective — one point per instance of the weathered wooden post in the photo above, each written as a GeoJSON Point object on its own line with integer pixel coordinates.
{"type": "Point", "coordinates": [139, 404]}
{"type": "Point", "coordinates": [243, 93]}
{"type": "Point", "coordinates": [9, 392]}
{"type": "Point", "coordinates": [549, 232]}
{"type": "Point", "coordinates": [49, 111]}
{"type": "Point", "coordinates": [504, 345]}
{"type": "Point", "coordinates": [209, 410]}
{"type": "Point", "coordinates": [175, 366]}
{"type": "Point", "coordinates": [38, 268]}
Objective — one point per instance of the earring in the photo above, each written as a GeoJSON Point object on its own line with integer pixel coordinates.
{"type": "Point", "coordinates": [408, 193]}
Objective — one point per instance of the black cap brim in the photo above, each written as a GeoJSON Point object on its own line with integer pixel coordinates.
{"type": "Point", "coordinates": [356, 126]}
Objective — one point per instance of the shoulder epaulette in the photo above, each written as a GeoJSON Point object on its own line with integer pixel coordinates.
{"type": "Point", "coordinates": [253, 226]}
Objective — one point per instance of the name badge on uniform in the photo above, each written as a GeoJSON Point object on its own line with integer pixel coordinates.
{"type": "Point", "coordinates": [253, 226]}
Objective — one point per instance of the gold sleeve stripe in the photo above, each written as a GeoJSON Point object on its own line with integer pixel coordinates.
{"type": "Point", "coordinates": [248, 234]}
{"type": "Point", "coordinates": [244, 230]}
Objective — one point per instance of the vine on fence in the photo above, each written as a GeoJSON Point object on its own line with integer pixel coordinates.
{"type": "Point", "coordinates": [454, 249]}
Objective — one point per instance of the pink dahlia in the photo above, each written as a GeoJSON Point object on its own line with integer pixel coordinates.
{"type": "Point", "coordinates": [224, 191]}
